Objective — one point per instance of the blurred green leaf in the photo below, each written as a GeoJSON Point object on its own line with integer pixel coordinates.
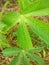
{"type": "Point", "coordinates": [23, 4]}
{"type": "Point", "coordinates": [11, 51]}
{"type": "Point", "coordinates": [10, 19]}
{"type": "Point", "coordinates": [16, 60]}
{"type": "Point", "coordinates": [36, 8]}
{"type": "Point", "coordinates": [36, 58]}
{"type": "Point", "coordinates": [43, 12]}
{"type": "Point", "coordinates": [40, 28]}
{"type": "Point", "coordinates": [23, 38]}
{"type": "Point", "coordinates": [25, 60]}
{"type": "Point", "coordinates": [36, 50]}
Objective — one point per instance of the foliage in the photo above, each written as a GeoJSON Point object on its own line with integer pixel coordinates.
{"type": "Point", "coordinates": [22, 55]}
{"type": "Point", "coordinates": [28, 9]}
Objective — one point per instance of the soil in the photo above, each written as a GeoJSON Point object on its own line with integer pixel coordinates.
{"type": "Point", "coordinates": [13, 7]}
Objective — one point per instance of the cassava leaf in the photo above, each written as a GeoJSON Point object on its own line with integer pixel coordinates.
{"type": "Point", "coordinates": [16, 60]}
{"type": "Point", "coordinates": [40, 28]}
{"type": "Point", "coordinates": [25, 60]}
{"type": "Point", "coordinates": [43, 12]}
{"type": "Point", "coordinates": [36, 50]}
{"type": "Point", "coordinates": [23, 37]}
{"type": "Point", "coordinates": [37, 8]}
{"type": "Point", "coordinates": [23, 3]}
{"type": "Point", "coordinates": [10, 19]}
{"type": "Point", "coordinates": [11, 51]}
{"type": "Point", "coordinates": [36, 58]}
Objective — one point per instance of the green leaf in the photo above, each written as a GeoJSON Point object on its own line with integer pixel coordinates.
{"type": "Point", "coordinates": [23, 4]}
{"type": "Point", "coordinates": [25, 60]}
{"type": "Point", "coordinates": [36, 50]}
{"type": "Point", "coordinates": [23, 38]}
{"type": "Point", "coordinates": [11, 51]}
{"type": "Point", "coordinates": [40, 28]}
{"type": "Point", "coordinates": [16, 60]}
{"type": "Point", "coordinates": [36, 58]}
{"type": "Point", "coordinates": [37, 8]}
{"type": "Point", "coordinates": [10, 19]}
{"type": "Point", "coordinates": [43, 12]}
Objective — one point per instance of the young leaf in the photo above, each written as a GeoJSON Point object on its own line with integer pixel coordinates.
{"type": "Point", "coordinates": [10, 19]}
{"type": "Point", "coordinates": [16, 60]}
{"type": "Point", "coordinates": [36, 58]}
{"type": "Point", "coordinates": [36, 50]}
{"type": "Point", "coordinates": [37, 8]}
{"type": "Point", "coordinates": [23, 38]}
{"type": "Point", "coordinates": [40, 28]}
{"type": "Point", "coordinates": [43, 12]}
{"type": "Point", "coordinates": [11, 51]}
{"type": "Point", "coordinates": [25, 60]}
{"type": "Point", "coordinates": [23, 3]}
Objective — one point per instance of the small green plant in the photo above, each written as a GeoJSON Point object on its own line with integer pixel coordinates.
{"type": "Point", "coordinates": [28, 9]}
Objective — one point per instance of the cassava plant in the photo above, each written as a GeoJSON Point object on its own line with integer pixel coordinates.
{"type": "Point", "coordinates": [26, 50]}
